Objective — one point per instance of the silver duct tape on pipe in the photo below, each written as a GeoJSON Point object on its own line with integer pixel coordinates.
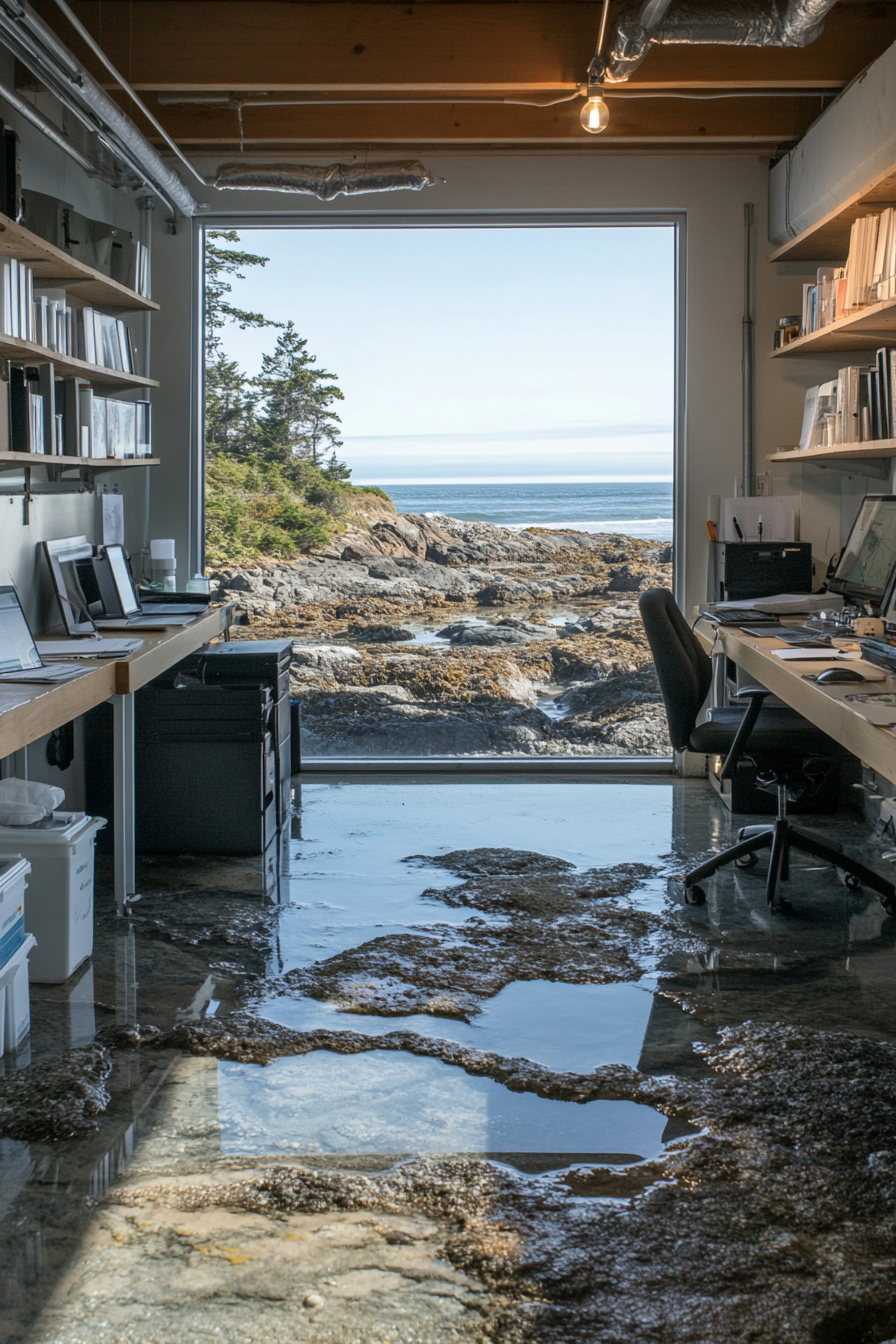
{"type": "Point", "coordinates": [797, 24]}
{"type": "Point", "coordinates": [38, 47]}
{"type": "Point", "coordinates": [61, 141]}
{"type": "Point", "coordinates": [346, 179]}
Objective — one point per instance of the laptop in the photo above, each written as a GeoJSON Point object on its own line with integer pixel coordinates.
{"type": "Point", "coordinates": [84, 582]}
{"type": "Point", "coordinates": [121, 605]}
{"type": "Point", "coordinates": [19, 658]}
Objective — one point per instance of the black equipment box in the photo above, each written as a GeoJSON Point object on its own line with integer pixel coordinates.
{"type": "Point", "coordinates": [745, 569]}
{"type": "Point", "coordinates": [213, 752]}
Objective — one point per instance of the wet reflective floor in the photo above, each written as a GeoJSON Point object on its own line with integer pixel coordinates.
{"type": "Point", "coordinates": [462, 1047]}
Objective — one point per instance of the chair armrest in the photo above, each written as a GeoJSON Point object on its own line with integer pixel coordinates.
{"type": "Point", "coordinates": [755, 695]}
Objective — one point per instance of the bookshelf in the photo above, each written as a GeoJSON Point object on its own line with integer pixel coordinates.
{"type": "Point", "coordinates": [84, 286]}
{"type": "Point", "coordinates": [52, 266]}
{"type": "Point", "coordinates": [865, 329]}
{"type": "Point", "coordinates": [26, 352]}
{"type": "Point", "coordinates": [9, 461]}
{"type": "Point", "coordinates": [841, 452]}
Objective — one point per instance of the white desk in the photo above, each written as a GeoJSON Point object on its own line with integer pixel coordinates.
{"type": "Point", "coordinates": [828, 710]}
{"type": "Point", "coordinates": [28, 712]}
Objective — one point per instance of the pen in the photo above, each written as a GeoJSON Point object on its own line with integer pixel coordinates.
{"type": "Point", "coordinates": [740, 534]}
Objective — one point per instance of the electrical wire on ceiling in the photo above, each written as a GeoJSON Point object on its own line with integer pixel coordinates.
{"type": "Point", "coordinates": [135, 161]}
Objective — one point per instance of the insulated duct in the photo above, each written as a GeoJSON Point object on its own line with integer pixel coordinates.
{"type": "Point", "coordinates": [38, 48]}
{"type": "Point", "coordinates": [795, 23]}
{"type": "Point", "coordinates": [92, 167]}
{"type": "Point", "coordinates": [346, 179]}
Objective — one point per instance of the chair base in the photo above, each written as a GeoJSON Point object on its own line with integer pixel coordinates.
{"type": "Point", "coordinates": [780, 837]}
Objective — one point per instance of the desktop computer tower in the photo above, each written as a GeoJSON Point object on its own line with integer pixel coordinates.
{"type": "Point", "coordinates": [739, 570]}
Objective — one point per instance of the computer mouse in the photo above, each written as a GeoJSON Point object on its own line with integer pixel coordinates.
{"type": "Point", "coordinates": [838, 674]}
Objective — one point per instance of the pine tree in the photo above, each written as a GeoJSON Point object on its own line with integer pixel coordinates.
{"type": "Point", "coordinates": [298, 422]}
{"type": "Point", "coordinates": [220, 263]}
{"type": "Point", "coordinates": [229, 410]}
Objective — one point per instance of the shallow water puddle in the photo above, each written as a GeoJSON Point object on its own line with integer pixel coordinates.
{"type": "Point", "coordinates": [348, 880]}
{"type": "Point", "coordinates": [568, 1028]}
{"type": "Point", "coordinates": [385, 1102]}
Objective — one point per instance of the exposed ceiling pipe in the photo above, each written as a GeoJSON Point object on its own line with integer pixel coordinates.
{"type": "Point", "coordinates": [38, 47]}
{"type": "Point", "coordinates": [91, 167]}
{"type": "Point", "coordinates": [122, 82]}
{"type": "Point", "coordinates": [794, 24]}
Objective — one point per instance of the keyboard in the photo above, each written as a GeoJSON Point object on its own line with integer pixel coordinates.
{"type": "Point", "coordinates": [741, 617]}
{"type": "Point", "coordinates": [879, 652]}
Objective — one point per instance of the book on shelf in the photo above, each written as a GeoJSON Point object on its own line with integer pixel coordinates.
{"type": "Point", "coordinates": [869, 275]}
{"type": "Point", "coordinates": [858, 406]}
{"type": "Point", "coordinates": [104, 341]}
{"type": "Point", "coordinates": [65, 417]}
{"type": "Point", "coordinates": [16, 299]}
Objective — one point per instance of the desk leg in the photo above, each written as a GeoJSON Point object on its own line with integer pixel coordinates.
{"type": "Point", "coordinates": [719, 687]}
{"type": "Point", "coordinates": [123, 755]}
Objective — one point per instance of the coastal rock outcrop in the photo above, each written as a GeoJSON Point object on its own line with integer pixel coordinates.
{"type": "Point", "coordinates": [542, 652]}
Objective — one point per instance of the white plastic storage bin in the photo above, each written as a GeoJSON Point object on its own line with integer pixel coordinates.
{"type": "Point", "coordinates": [15, 1006]}
{"type": "Point", "coordinates": [59, 898]}
{"type": "Point", "coordinates": [13, 872]}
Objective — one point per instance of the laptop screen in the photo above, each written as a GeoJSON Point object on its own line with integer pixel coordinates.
{"type": "Point", "coordinates": [124, 584]}
{"type": "Point", "coordinates": [17, 651]}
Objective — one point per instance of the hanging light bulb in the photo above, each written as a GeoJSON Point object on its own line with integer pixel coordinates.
{"type": "Point", "coordinates": [595, 115]}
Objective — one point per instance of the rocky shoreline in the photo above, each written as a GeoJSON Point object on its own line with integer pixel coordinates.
{"type": "Point", "coordinates": [422, 636]}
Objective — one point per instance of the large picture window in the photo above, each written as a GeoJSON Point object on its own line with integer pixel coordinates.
{"type": "Point", "coordinates": [442, 460]}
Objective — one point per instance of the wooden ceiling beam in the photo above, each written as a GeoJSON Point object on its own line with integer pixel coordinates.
{"type": "Point", "coordinates": [728, 121]}
{"type": "Point", "coordinates": [276, 45]}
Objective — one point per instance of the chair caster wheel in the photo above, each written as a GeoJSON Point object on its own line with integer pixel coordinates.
{"type": "Point", "coordinates": [852, 882]}
{"type": "Point", "coordinates": [694, 896]}
{"type": "Point", "coordinates": [746, 861]}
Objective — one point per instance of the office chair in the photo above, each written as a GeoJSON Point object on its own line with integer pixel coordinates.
{"type": "Point", "coordinates": [791, 756]}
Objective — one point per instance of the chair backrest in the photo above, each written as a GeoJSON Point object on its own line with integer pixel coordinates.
{"type": "Point", "coordinates": [683, 669]}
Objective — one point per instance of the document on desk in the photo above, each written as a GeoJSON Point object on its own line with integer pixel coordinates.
{"type": "Point", "coordinates": [46, 675]}
{"type": "Point", "coordinates": [87, 648]}
{"type": "Point", "coordinates": [785, 604]}
{"type": "Point", "coordinates": [791, 655]}
{"type": "Point", "coordinates": [878, 707]}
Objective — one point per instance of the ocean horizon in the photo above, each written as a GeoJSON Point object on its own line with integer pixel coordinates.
{"type": "Point", "coordinates": [637, 508]}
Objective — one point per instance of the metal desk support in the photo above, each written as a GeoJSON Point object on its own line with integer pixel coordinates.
{"type": "Point", "coordinates": [123, 766]}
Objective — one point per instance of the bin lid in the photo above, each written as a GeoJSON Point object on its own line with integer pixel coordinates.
{"type": "Point", "coordinates": [15, 961]}
{"type": "Point", "coordinates": [11, 869]}
{"type": "Point", "coordinates": [64, 828]}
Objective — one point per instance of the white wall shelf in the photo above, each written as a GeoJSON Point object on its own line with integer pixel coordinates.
{"type": "Point", "coordinates": [26, 352]}
{"type": "Point", "coordinates": [52, 266]}
{"type": "Point", "coordinates": [865, 329]}
{"type": "Point", "coordinates": [841, 452]}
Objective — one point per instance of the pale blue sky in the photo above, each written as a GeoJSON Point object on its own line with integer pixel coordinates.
{"type": "Point", "coordinates": [511, 353]}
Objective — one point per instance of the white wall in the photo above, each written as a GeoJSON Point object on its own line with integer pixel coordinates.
{"type": "Point", "coordinates": [711, 190]}
{"type": "Point", "coordinates": [47, 169]}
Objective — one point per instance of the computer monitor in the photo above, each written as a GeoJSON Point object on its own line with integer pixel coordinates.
{"type": "Point", "coordinates": [868, 561]}
{"type": "Point", "coordinates": [63, 556]}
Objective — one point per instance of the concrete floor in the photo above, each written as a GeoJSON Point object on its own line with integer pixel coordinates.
{"type": "Point", "coordinates": [438, 1139]}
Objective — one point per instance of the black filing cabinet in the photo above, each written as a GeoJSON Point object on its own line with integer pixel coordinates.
{"type": "Point", "coordinates": [213, 752]}
{"type": "Point", "coordinates": [745, 569]}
